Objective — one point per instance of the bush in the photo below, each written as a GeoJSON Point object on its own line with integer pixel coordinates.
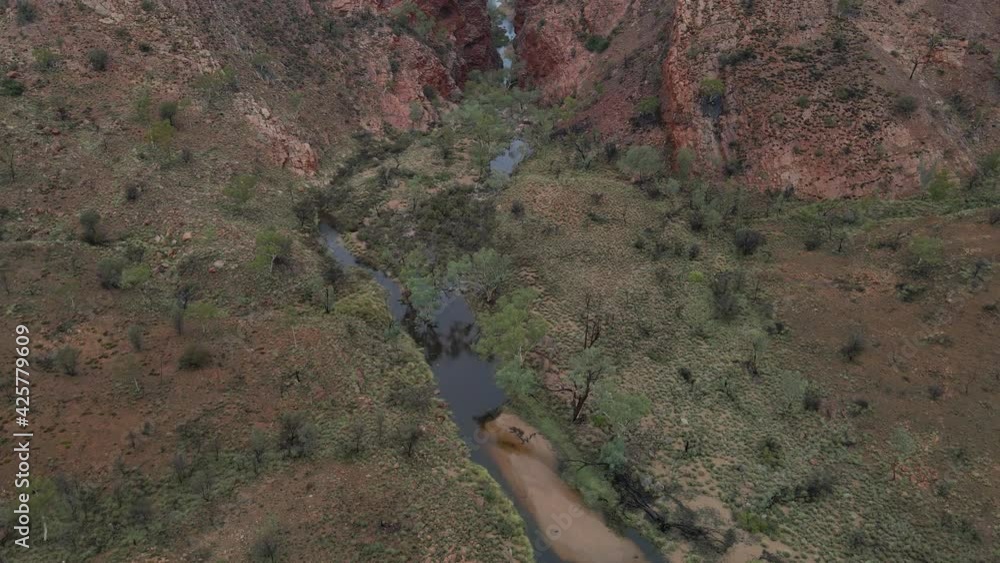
{"type": "Point", "coordinates": [45, 58]}
{"type": "Point", "coordinates": [811, 398]}
{"type": "Point", "coordinates": [711, 90]}
{"type": "Point", "coordinates": [747, 241]}
{"type": "Point", "coordinates": [273, 249]}
{"type": "Point", "coordinates": [756, 524]}
{"type": "Point", "coordinates": [195, 356]}
{"type": "Point", "coordinates": [735, 57]}
{"type": "Point", "coordinates": [90, 222]}
{"type": "Point", "coordinates": [168, 112]}
{"type": "Point", "coordinates": [240, 189]}
{"type": "Point", "coordinates": [904, 105]}
{"type": "Point", "coordinates": [854, 346]}
{"type": "Point", "coordinates": [131, 191]}
{"type": "Point", "coordinates": [11, 88]}
{"type": "Point", "coordinates": [726, 287]}
{"type": "Point", "coordinates": [98, 59]}
{"type": "Point", "coordinates": [641, 161]}
{"type": "Point", "coordinates": [517, 210]}
{"type": "Point", "coordinates": [134, 334]}
{"type": "Point", "coordinates": [993, 217]}
{"type": "Point", "coordinates": [109, 272]}
{"type": "Point", "coordinates": [26, 12]}
{"type": "Point", "coordinates": [161, 134]}
{"type": "Point", "coordinates": [297, 436]}
{"type": "Point", "coordinates": [813, 240]}
{"type": "Point", "coordinates": [940, 185]}
{"type": "Point", "coordinates": [849, 7]}
{"type": "Point", "coordinates": [267, 547]}
{"type": "Point", "coordinates": [597, 43]}
{"type": "Point", "coordinates": [647, 111]}
{"type": "Point", "coordinates": [65, 359]}
{"type": "Point", "coordinates": [925, 255]}
{"type": "Point", "coordinates": [819, 484]}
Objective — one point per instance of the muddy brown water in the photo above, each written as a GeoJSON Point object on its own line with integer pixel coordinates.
{"type": "Point", "coordinates": [560, 527]}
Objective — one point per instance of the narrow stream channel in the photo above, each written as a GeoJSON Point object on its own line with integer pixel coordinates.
{"type": "Point", "coordinates": [560, 527]}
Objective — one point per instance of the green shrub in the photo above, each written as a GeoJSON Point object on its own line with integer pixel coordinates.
{"type": "Point", "coordinates": [161, 134]}
{"type": "Point", "coordinates": [756, 524]}
{"type": "Point", "coordinates": [643, 162]}
{"type": "Point", "coordinates": [45, 58]}
{"type": "Point", "coordinates": [135, 276]}
{"type": "Point", "coordinates": [368, 306]}
{"type": "Point", "coordinates": [98, 59]}
{"type": "Point", "coordinates": [66, 359]}
{"type": "Point", "coordinates": [747, 241]}
{"type": "Point", "coordinates": [597, 43]}
{"type": "Point", "coordinates": [134, 334]}
{"type": "Point", "coordinates": [10, 87]}
{"type": "Point", "coordinates": [940, 185]}
{"type": "Point", "coordinates": [168, 111]}
{"type": "Point", "coordinates": [849, 7]}
{"type": "Point", "coordinates": [26, 12]}
{"type": "Point", "coordinates": [647, 111]}
{"type": "Point", "coordinates": [711, 90]}
{"type": "Point", "coordinates": [854, 345]}
{"type": "Point", "coordinates": [195, 356]}
{"type": "Point", "coordinates": [297, 435]}
{"type": "Point", "coordinates": [90, 222]}
{"type": "Point", "coordinates": [925, 255]}
{"type": "Point", "coordinates": [109, 272]}
{"type": "Point", "coordinates": [904, 105]}
{"type": "Point", "coordinates": [272, 249]}
{"type": "Point", "coordinates": [735, 57]}
{"type": "Point", "coordinates": [240, 189]}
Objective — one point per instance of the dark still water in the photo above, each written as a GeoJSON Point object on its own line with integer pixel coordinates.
{"type": "Point", "coordinates": [561, 529]}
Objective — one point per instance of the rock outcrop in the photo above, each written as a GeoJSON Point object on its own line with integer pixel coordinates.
{"type": "Point", "coordinates": [816, 97]}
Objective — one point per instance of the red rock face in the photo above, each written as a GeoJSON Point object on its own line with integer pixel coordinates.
{"type": "Point", "coordinates": [809, 93]}
{"type": "Point", "coordinates": [470, 26]}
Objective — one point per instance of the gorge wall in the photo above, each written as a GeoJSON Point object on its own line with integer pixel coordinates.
{"type": "Point", "coordinates": [815, 95]}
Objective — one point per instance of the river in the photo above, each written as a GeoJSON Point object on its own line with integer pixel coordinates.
{"type": "Point", "coordinates": [561, 528]}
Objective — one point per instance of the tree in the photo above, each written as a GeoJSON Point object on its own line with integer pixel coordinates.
{"type": "Point", "coordinates": [90, 222]}
{"type": "Point", "coordinates": [487, 273]}
{"type": "Point", "coordinates": [589, 367]}
{"type": "Point", "coordinates": [854, 345]}
{"type": "Point", "coordinates": [620, 412]}
{"type": "Point", "coordinates": [98, 59]}
{"type": "Point", "coordinates": [168, 112]}
{"type": "Point", "coordinates": [516, 381]}
{"type": "Point", "coordinates": [267, 547]}
{"type": "Point", "coordinates": [259, 444]}
{"type": "Point", "coordinates": [422, 293]}
{"type": "Point", "coordinates": [109, 271]}
{"type": "Point", "coordinates": [513, 329]}
{"type": "Point", "coordinates": [410, 435]}
{"type": "Point", "coordinates": [747, 241]}
{"type": "Point", "coordinates": [642, 162]}
{"type": "Point", "coordinates": [273, 249]}
{"type": "Point", "coordinates": [297, 435]}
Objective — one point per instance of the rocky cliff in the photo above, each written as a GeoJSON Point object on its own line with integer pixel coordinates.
{"type": "Point", "coordinates": [831, 99]}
